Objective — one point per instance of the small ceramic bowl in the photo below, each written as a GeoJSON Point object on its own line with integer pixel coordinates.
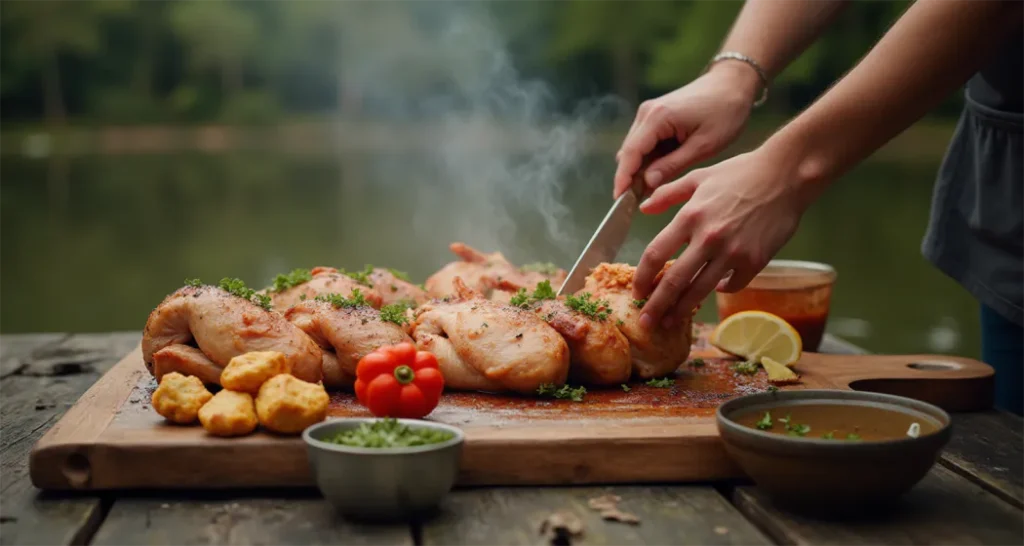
{"type": "Point", "coordinates": [815, 474]}
{"type": "Point", "coordinates": [382, 483]}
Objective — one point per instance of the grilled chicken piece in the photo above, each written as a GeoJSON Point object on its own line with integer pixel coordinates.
{"type": "Point", "coordinates": [393, 289]}
{"type": "Point", "coordinates": [482, 345]}
{"type": "Point", "coordinates": [474, 269]}
{"type": "Point", "coordinates": [484, 272]}
{"type": "Point", "coordinates": [599, 353]}
{"type": "Point", "coordinates": [198, 330]}
{"type": "Point", "coordinates": [656, 352]}
{"type": "Point", "coordinates": [346, 335]}
{"type": "Point", "coordinates": [326, 280]}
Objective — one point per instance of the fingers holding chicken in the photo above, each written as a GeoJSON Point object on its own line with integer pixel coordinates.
{"type": "Point", "coordinates": [301, 284]}
{"type": "Point", "coordinates": [346, 330]}
{"type": "Point", "coordinates": [657, 351]}
{"type": "Point", "coordinates": [482, 345]}
{"type": "Point", "coordinates": [197, 330]}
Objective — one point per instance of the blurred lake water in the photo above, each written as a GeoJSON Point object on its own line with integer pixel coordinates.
{"type": "Point", "coordinates": [93, 243]}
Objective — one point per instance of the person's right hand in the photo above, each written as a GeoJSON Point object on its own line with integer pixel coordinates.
{"type": "Point", "coordinates": [705, 116]}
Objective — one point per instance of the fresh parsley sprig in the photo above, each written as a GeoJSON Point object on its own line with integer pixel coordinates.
{"type": "Point", "coordinates": [565, 392]}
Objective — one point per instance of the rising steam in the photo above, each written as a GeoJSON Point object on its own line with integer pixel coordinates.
{"type": "Point", "coordinates": [500, 155]}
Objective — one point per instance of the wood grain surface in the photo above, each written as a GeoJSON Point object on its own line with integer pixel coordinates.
{"type": "Point", "coordinates": [112, 438]}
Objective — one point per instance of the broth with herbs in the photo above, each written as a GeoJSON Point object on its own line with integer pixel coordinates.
{"type": "Point", "coordinates": [841, 422]}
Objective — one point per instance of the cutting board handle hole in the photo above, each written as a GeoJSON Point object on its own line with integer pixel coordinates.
{"type": "Point", "coordinates": [77, 470]}
{"type": "Point", "coordinates": [934, 366]}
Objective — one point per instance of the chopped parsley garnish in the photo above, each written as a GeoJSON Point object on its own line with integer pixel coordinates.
{"type": "Point", "coordinates": [565, 392]}
{"type": "Point", "coordinates": [639, 304]}
{"type": "Point", "coordinates": [400, 275]}
{"type": "Point", "coordinates": [625, 387]}
{"type": "Point", "coordinates": [794, 429]}
{"type": "Point", "coordinates": [544, 268]}
{"type": "Point", "coordinates": [830, 435]}
{"type": "Point", "coordinates": [355, 299]}
{"type": "Point", "coordinates": [284, 281]}
{"type": "Point", "coordinates": [394, 313]}
{"type": "Point", "coordinates": [389, 432]}
{"type": "Point", "coordinates": [662, 383]}
{"type": "Point", "coordinates": [236, 287]}
{"type": "Point", "coordinates": [194, 283]}
{"type": "Point", "coordinates": [543, 291]}
{"type": "Point", "coordinates": [361, 277]}
{"type": "Point", "coordinates": [764, 423]}
{"type": "Point", "coordinates": [696, 363]}
{"type": "Point", "coordinates": [521, 299]}
{"type": "Point", "coordinates": [798, 430]}
{"type": "Point", "coordinates": [620, 323]}
{"type": "Point", "coordinates": [585, 305]}
{"type": "Point", "coordinates": [773, 388]}
{"type": "Point", "coordinates": [853, 437]}
{"type": "Point", "coordinates": [747, 368]}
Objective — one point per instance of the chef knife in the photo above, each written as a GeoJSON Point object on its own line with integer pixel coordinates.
{"type": "Point", "coordinates": [604, 246]}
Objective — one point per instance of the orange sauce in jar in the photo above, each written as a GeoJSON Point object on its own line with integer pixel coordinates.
{"type": "Point", "coordinates": [798, 292]}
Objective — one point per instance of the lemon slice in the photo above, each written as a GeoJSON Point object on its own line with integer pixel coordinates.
{"type": "Point", "coordinates": [756, 334]}
{"type": "Point", "coordinates": [779, 374]}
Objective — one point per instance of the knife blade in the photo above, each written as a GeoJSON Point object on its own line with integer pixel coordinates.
{"type": "Point", "coordinates": [611, 234]}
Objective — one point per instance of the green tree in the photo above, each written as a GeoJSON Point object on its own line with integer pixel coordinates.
{"type": "Point", "coordinates": [46, 32]}
{"type": "Point", "coordinates": [625, 32]}
{"type": "Point", "coordinates": [220, 36]}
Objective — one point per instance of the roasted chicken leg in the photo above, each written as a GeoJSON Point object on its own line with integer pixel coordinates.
{"type": "Point", "coordinates": [345, 334]}
{"type": "Point", "coordinates": [197, 330]}
{"type": "Point", "coordinates": [599, 353]}
{"type": "Point", "coordinates": [325, 280]}
{"type": "Point", "coordinates": [483, 345]}
{"type": "Point", "coordinates": [656, 352]}
{"type": "Point", "coordinates": [484, 272]}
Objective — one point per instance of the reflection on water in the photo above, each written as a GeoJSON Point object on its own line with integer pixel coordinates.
{"type": "Point", "coordinates": [93, 244]}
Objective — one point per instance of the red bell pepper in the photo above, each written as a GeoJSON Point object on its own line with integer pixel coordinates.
{"type": "Point", "coordinates": [399, 381]}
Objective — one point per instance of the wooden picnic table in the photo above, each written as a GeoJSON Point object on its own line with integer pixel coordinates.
{"type": "Point", "coordinates": [973, 496]}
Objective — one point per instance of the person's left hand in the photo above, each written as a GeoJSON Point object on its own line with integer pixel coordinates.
{"type": "Point", "coordinates": [738, 214]}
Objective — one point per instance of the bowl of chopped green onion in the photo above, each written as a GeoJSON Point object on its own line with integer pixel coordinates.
{"type": "Point", "coordinates": [383, 469]}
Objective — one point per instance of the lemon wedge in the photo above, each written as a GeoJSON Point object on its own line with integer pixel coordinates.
{"type": "Point", "coordinates": [756, 334]}
{"type": "Point", "coordinates": [778, 374]}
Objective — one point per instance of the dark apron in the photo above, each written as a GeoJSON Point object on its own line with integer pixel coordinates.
{"type": "Point", "coordinates": [976, 231]}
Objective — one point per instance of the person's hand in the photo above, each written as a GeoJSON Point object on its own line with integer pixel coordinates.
{"type": "Point", "coordinates": [705, 116]}
{"type": "Point", "coordinates": [737, 215]}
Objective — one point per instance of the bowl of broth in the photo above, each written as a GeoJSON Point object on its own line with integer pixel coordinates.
{"type": "Point", "coordinates": [830, 450]}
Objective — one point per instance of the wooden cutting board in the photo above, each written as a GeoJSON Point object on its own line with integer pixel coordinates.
{"type": "Point", "coordinates": [113, 439]}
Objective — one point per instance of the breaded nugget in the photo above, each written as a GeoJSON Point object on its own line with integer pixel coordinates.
{"type": "Point", "coordinates": [288, 405]}
{"type": "Point", "coordinates": [247, 372]}
{"type": "Point", "coordinates": [229, 413]}
{"type": "Point", "coordinates": [179, 398]}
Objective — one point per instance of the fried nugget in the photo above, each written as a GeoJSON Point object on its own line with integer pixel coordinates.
{"type": "Point", "coordinates": [229, 413]}
{"type": "Point", "coordinates": [247, 372]}
{"type": "Point", "coordinates": [179, 398]}
{"type": "Point", "coordinates": [288, 405]}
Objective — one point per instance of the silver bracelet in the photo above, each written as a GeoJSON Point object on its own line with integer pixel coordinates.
{"type": "Point", "coordinates": [732, 55]}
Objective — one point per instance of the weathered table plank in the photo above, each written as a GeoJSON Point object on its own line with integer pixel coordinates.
{"type": "Point", "coordinates": [943, 509]}
{"type": "Point", "coordinates": [44, 376]}
{"type": "Point", "coordinates": [240, 519]}
{"type": "Point", "coordinates": [989, 448]}
{"type": "Point", "coordinates": [668, 515]}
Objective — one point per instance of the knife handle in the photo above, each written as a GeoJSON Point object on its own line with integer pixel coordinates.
{"type": "Point", "coordinates": [661, 149]}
